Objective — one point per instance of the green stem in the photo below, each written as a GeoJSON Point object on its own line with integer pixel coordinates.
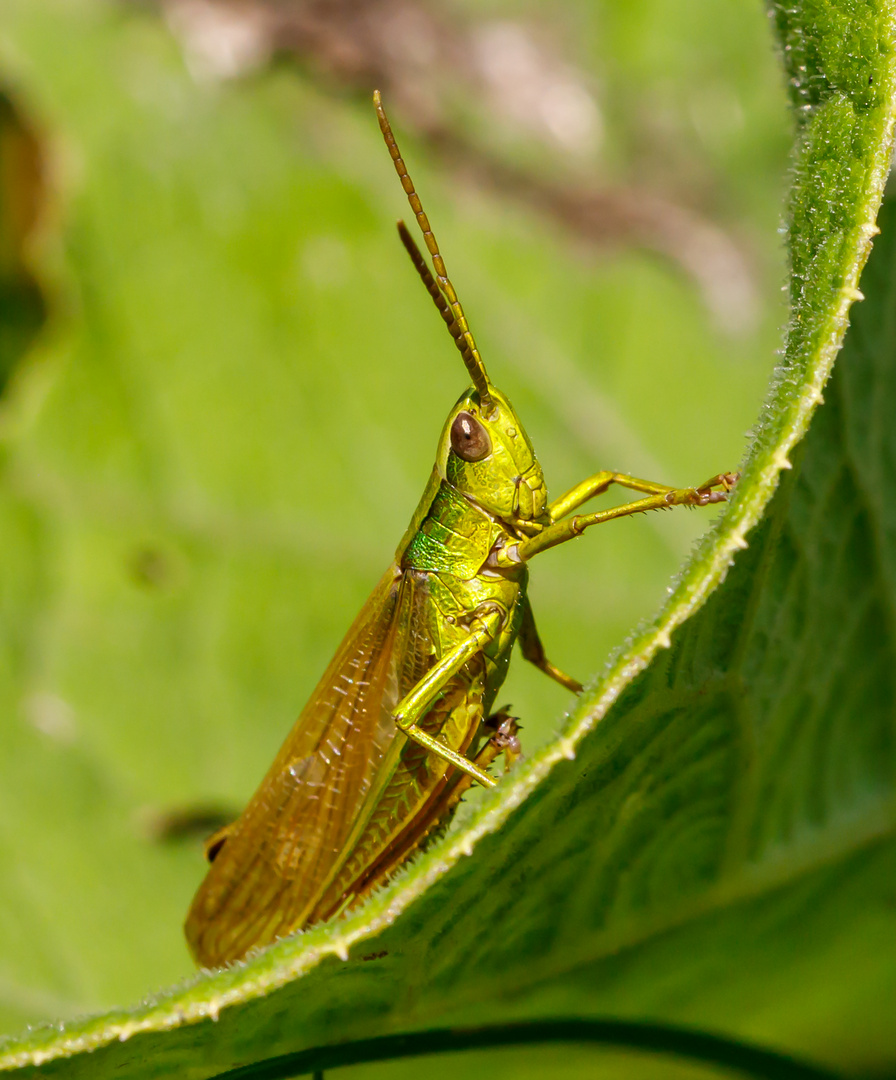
{"type": "Point", "coordinates": [738, 1057]}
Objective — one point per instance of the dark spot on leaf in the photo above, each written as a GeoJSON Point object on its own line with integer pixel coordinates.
{"type": "Point", "coordinates": [22, 195]}
{"type": "Point", "coordinates": [151, 567]}
{"type": "Point", "coordinates": [173, 825]}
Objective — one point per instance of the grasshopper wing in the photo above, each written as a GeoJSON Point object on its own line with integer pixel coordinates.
{"type": "Point", "coordinates": [279, 854]}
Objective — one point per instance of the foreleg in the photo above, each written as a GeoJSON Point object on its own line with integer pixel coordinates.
{"type": "Point", "coordinates": [601, 481]}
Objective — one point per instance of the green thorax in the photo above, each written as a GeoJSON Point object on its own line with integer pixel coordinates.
{"type": "Point", "coordinates": [452, 535]}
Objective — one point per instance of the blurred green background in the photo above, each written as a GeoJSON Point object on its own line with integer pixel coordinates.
{"type": "Point", "coordinates": [224, 384]}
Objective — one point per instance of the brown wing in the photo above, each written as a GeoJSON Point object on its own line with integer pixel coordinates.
{"type": "Point", "coordinates": [283, 848]}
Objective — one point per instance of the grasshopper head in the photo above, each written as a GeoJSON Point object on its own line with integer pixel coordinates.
{"type": "Point", "coordinates": [485, 453]}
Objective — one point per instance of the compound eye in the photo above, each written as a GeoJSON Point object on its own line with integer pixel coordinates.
{"type": "Point", "coordinates": [469, 439]}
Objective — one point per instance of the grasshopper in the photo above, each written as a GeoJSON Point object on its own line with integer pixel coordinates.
{"type": "Point", "coordinates": [387, 744]}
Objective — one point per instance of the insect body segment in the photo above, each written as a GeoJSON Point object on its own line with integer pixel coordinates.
{"type": "Point", "coordinates": [399, 726]}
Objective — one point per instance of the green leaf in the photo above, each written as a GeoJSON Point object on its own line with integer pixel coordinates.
{"type": "Point", "coordinates": [718, 850]}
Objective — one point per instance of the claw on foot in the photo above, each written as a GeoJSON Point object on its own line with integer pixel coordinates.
{"type": "Point", "coordinates": [505, 738]}
{"type": "Point", "coordinates": [725, 481]}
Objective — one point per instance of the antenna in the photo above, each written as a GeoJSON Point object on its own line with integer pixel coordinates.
{"type": "Point", "coordinates": [436, 293]}
{"type": "Point", "coordinates": [439, 287]}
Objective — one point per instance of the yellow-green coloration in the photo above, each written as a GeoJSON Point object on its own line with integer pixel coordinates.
{"type": "Point", "coordinates": [390, 738]}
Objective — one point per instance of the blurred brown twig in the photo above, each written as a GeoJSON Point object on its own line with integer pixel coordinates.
{"type": "Point", "coordinates": [429, 65]}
